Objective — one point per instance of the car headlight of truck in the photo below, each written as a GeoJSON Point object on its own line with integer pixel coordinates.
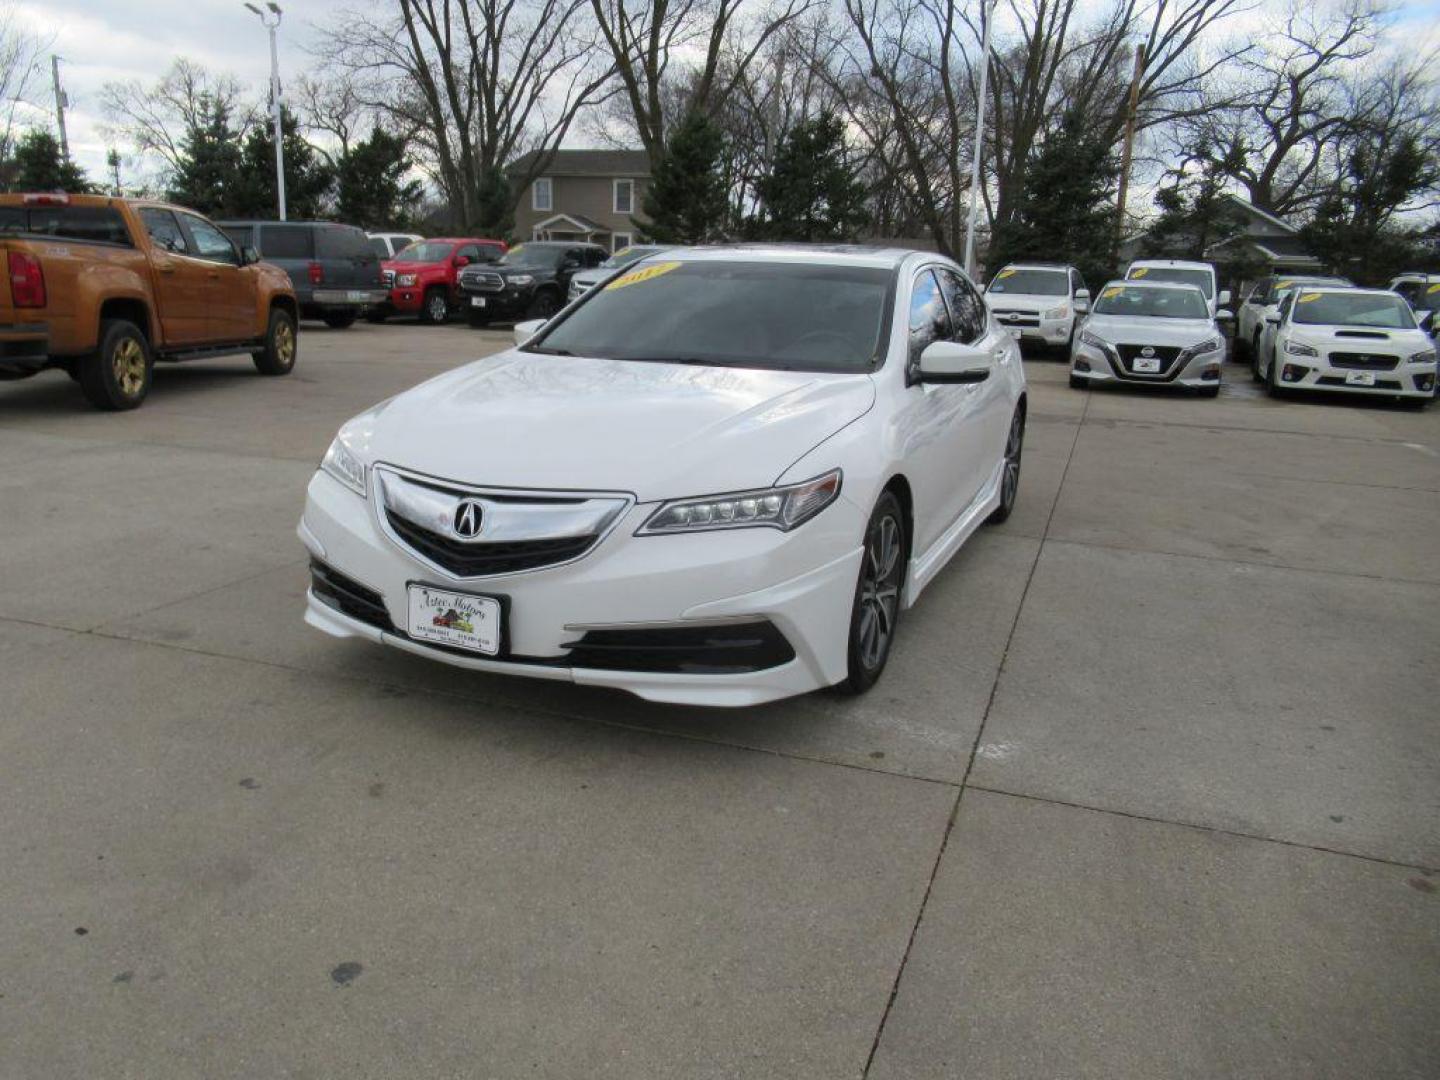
{"type": "Point", "coordinates": [1426, 357]}
{"type": "Point", "coordinates": [1061, 312]}
{"type": "Point", "coordinates": [521, 279]}
{"type": "Point", "coordinates": [345, 465]}
{"type": "Point", "coordinates": [405, 281]}
{"type": "Point", "coordinates": [783, 508]}
{"type": "Point", "coordinates": [1299, 348]}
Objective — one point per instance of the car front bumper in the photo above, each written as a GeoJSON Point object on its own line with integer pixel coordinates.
{"type": "Point", "coordinates": [1100, 366]}
{"type": "Point", "coordinates": [509, 303]}
{"type": "Point", "coordinates": [802, 583]}
{"type": "Point", "coordinates": [1319, 373]}
{"type": "Point", "coordinates": [1052, 332]}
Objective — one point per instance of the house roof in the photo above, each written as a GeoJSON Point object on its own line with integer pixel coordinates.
{"type": "Point", "coordinates": [1248, 207]}
{"type": "Point", "coordinates": [581, 223]}
{"type": "Point", "coordinates": [588, 163]}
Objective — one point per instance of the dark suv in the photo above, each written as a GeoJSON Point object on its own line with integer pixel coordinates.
{"type": "Point", "coordinates": [335, 270]}
{"type": "Point", "coordinates": [530, 281]}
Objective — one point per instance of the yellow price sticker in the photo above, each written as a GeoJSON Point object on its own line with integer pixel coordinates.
{"type": "Point", "coordinates": [1433, 288]}
{"type": "Point", "coordinates": [1004, 274]}
{"type": "Point", "coordinates": [1112, 292]}
{"type": "Point", "coordinates": [1285, 285]}
{"type": "Point", "coordinates": [515, 250]}
{"type": "Point", "coordinates": [1139, 272]}
{"type": "Point", "coordinates": [646, 273]}
{"type": "Point", "coordinates": [1305, 298]}
{"type": "Point", "coordinates": [621, 253]}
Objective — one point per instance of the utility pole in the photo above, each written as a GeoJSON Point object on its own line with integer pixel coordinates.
{"type": "Point", "coordinates": [113, 160]}
{"type": "Point", "coordinates": [61, 101]}
{"type": "Point", "coordinates": [981, 102]}
{"type": "Point", "coordinates": [1128, 148]}
{"type": "Point", "coordinates": [273, 24]}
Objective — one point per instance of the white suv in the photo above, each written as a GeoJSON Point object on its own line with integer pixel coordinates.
{"type": "Point", "coordinates": [1181, 272]}
{"type": "Point", "coordinates": [1040, 303]}
{"type": "Point", "coordinates": [1359, 341]}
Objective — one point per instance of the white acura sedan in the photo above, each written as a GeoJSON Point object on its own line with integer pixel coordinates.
{"type": "Point", "coordinates": [717, 480]}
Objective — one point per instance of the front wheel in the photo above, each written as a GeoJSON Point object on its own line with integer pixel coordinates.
{"type": "Point", "coordinates": [876, 611]}
{"type": "Point", "coordinates": [278, 355]}
{"type": "Point", "coordinates": [436, 308]}
{"type": "Point", "coordinates": [545, 304]}
{"type": "Point", "coordinates": [1272, 376]}
{"type": "Point", "coordinates": [1010, 471]}
{"type": "Point", "coordinates": [117, 375]}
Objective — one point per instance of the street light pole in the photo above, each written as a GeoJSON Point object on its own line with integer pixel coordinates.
{"type": "Point", "coordinates": [272, 23]}
{"type": "Point", "coordinates": [980, 104]}
{"type": "Point", "coordinates": [60, 102]}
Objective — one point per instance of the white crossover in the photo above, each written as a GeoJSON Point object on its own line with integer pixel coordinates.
{"type": "Point", "coordinates": [1149, 333]}
{"type": "Point", "coordinates": [1182, 272]}
{"type": "Point", "coordinates": [1354, 341]}
{"type": "Point", "coordinates": [1040, 303]}
{"type": "Point", "coordinates": [717, 479]}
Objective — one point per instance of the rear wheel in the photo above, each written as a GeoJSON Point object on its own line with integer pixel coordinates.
{"type": "Point", "coordinates": [117, 375]}
{"type": "Point", "coordinates": [278, 355]}
{"type": "Point", "coordinates": [545, 304]}
{"type": "Point", "coordinates": [436, 308]}
{"type": "Point", "coordinates": [1010, 474]}
{"type": "Point", "coordinates": [339, 320]}
{"type": "Point", "coordinates": [876, 611]}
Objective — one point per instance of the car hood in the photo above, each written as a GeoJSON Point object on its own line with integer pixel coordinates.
{"type": "Point", "coordinates": [1362, 339]}
{"type": "Point", "coordinates": [660, 431]}
{"type": "Point", "coordinates": [411, 267]}
{"type": "Point", "coordinates": [1023, 301]}
{"type": "Point", "coordinates": [1150, 330]}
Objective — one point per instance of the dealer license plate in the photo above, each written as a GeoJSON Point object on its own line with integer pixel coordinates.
{"type": "Point", "coordinates": [477, 301]}
{"type": "Point", "coordinates": [356, 296]}
{"type": "Point", "coordinates": [1359, 378]}
{"type": "Point", "coordinates": [456, 619]}
{"type": "Point", "coordinates": [1147, 365]}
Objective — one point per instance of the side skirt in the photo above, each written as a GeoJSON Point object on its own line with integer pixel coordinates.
{"type": "Point", "coordinates": [925, 566]}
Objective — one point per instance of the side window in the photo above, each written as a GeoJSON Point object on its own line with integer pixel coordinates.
{"type": "Point", "coordinates": [929, 319]}
{"type": "Point", "coordinates": [210, 242]}
{"type": "Point", "coordinates": [967, 310]}
{"type": "Point", "coordinates": [285, 242]}
{"type": "Point", "coordinates": [594, 256]}
{"type": "Point", "coordinates": [469, 251]}
{"type": "Point", "coordinates": [164, 230]}
{"type": "Point", "coordinates": [1285, 304]}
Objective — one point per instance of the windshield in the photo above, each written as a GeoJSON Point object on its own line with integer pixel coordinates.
{"type": "Point", "coordinates": [734, 314]}
{"type": "Point", "coordinates": [533, 255]}
{"type": "Point", "coordinates": [1150, 302]}
{"type": "Point", "coordinates": [1031, 282]}
{"type": "Point", "coordinates": [1353, 309]}
{"type": "Point", "coordinates": [626, 256]}
{"type": "Point", "coordinates": [426, 251]}
{"type": "Point", "coordinates": [1423, 296]}
{"type": "Point", "coordinates": [1179, 274]}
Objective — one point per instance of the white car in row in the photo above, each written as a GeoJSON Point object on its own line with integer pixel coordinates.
{"type": "Point", "coordinates": [1039, 303]}
{"type": "Point", "coordinates": [1149, 333]}
{"type": "Point", "coordinates": [717, 479]}
{"type": "Point", "coordinates": [1263, 301]}
{"type": "Point", "coordinates": [1182, 272]}
{"type": "Point", "coordinates": [1356, 341]}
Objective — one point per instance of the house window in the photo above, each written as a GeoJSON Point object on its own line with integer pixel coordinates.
{"type": "Point", "coordinates": [540, 195]}
{"type": "Point", "coordinates": [621, 240]}
{"type": "Point", "coordinates": [624, 197]}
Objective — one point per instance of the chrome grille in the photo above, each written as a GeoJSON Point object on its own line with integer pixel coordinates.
{"type": "Point", "coordinates": [481, 280]}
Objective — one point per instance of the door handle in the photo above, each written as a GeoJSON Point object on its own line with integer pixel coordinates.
{"type": "Point", "coordinates": [166, 266]}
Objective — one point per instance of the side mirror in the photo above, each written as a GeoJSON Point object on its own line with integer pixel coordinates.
{"type": "Point", "coordinates": [1224, 316]}
{"type": "Point", "coordinates": [462, 260]}
{"type": "Point", "coordinates": [249, 256]}
{"type": "Point", "coordinates": [1082, 301]}
{"type": "Point", "coordinates": [1224, 298]}
{"type": "Point", "coordinates": [524, 331]}
{"type": "Point", "coordinates": [952, 362]}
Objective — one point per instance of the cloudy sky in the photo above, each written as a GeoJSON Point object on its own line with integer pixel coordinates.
{"type": "Point", "coordinates": [104, 40]}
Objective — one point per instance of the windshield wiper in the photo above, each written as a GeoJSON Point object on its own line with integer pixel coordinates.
{"type": "Point", "coordinates": [547, 351]}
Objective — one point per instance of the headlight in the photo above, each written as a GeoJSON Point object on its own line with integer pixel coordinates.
{"type": "Point", "coordinates": [1426, 357]}
{"type": "Point", "coordinates": [1205, 346]}
{"type": "Point", "coordinates": [406, 280]}
{"type": "Point", "coordinates": [1297, 348]}
{"type": "Point", "coordinates": [341, 463]}
{"type": "Point", "coordinates": [1061, 312]}
{"type": "Point", "coordinates": [1094, 341]}
{"type": "Point", "coordinates": [522, 279]}
{"type": "Point", "coordinates": [783, 508]}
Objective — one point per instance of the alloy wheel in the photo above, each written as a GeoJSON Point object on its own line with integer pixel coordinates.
{"type": "Point", "coordinates": [285, 343]}
{"type": "Point", "coordinates": [439, 308]}
{"type": "Point", "coordinates": [879, 591]}
{"type": "Point", "coordinates": [128, 364]}
{"type": "Point", "coordinates": [1014, 447]}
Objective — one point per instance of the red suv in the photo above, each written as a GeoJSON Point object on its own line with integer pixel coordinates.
{"type": "Point", "coordinates": [422, 278]}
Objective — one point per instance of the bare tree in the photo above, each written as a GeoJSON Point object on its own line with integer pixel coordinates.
{"type": "Point", "coordinates": [21, 56]}
{"type": "Point", "coordinates": [474, 83]}
{"type": "Point", "coordinates": [332, 105]}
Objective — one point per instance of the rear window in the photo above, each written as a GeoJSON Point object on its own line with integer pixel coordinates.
{"type": "Point", "coordinates": [341, 242]}
{"type": "Point", "coordinates": [285, 241]}
{"type": "Point", "coordinates": [93, 224]}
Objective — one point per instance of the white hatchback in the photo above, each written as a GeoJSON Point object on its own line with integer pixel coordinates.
{"type": "Point", "coordinates": [1356, 341]}
{"type": "Point", "coordinates": [717, 479]}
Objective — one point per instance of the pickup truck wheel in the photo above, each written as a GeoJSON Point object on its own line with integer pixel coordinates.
{"type": "Point", "coordinates": [545, 304]}
{"type": "Point", "coordinates": [278, 355]}
{"type": "Point", "coordinates": [436, 308]}
{"type": "Point", "coordinates": [339, 320]}
{"type": "Point", "coordinates": [116, 376]}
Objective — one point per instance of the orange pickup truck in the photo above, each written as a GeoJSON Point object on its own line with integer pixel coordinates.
{"type": "Point", "coordinates": [104, 287]}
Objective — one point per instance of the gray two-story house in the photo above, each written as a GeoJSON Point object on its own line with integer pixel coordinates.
{"type": "Point", "coordinates": [589, 195]}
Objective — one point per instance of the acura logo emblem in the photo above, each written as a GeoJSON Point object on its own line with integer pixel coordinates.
{"type": "Point", "coordinates": [1147, 351]}
{"type": "Point", "coordinates": [469, 517]}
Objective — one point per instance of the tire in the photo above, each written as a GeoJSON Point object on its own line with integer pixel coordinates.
{"type": "Point", "coordinates": [1255, 358]}
{"type": "Point", "coordinates": [376, 316]}
{"type": "Point", "coordinates": [1077, 383]}
{"type": "Point", "coordinates": [339, 320]}
{"type": "Point", "coordinates": [875, 613]}
{"type": "Point", "coordinates": [117, 375]}
{"type": "Point", "coordinates": [545, 304]}
{"type": "Point", "coordinates": [435, 311]}
{"type": "Point", "coordinates": [281, 345]}
{"type": "Point", "coordinates": [1272, 377]}
{"type": "Point", "coordinates": [1010, 474]}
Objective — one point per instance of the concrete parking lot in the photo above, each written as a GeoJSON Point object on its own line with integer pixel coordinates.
{"type": "Point", "coordinates": [1151, 787]}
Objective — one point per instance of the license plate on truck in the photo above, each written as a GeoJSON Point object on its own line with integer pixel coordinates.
{"type": "Point", "coordinates": [356, 296]}
{"type": "Point", "coordinates": [1359, 378]}
{"type": "Point", "coordinates": [459, 620]}
{"type": "Point", "coordinates": [477, 301]}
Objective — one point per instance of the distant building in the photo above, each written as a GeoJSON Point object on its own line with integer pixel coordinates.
{"type": "Point", "coordinates": [589, 195]}
{"type": "Point", "coordinates": [1251, 237]}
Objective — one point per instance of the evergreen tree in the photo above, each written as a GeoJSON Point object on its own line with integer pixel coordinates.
{"type": "Point", "coordinates": [1066, 210]}
{"type": "Point", "coordinates": [308, 179]}
{"type": "Point", "coordinates": [39, 166]}
{"type": "Point", "coordinates": [812, 192]}
{"type": "Point", "coordinates": [1189, 201]}
{"type": "Point", "coordinates": [686, 202]}
{"type": "Point", "coordinates": [209, 161]}
{"type": "Point", "coordinates": [371, 189]}
{"type": "Point", "coordinates": [495, 207]}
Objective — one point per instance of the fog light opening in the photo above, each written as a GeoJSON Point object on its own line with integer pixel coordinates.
{"type": "Point", "coordinates": [1424, 382]}
{"type": "Point", "coordinates": [1082, 365]}
{"type": "Point", "coordinates": [1210, 374]}
{"type": "Point", "coordinates": [1293, 372]}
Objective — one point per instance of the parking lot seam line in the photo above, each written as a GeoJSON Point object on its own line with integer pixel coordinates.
{"type": "Point", "coordinates": [1238, 834]}
{"type": "Point", "coordinates": [1243, 562]}
{"type": "Point", "coordinates": [1337, 483]}
{"type": "Point", "coordinates": [974, 750]}
{"type": "Point", "coordinates": [1384, 439]}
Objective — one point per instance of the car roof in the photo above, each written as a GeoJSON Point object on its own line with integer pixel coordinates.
{"type": "Point", "coordinates": [1177, 264]}
{"type": "Point", "coordinates": [267, 221]}
{"type": "Point", "coordinates": [1036, 266]}
{"type": "Point", "coordinates": [1350, 290]}
{"type": "Point", "coordinates": [812, 254]}
{"type": "Point", "coordinates": [1141, 283]}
